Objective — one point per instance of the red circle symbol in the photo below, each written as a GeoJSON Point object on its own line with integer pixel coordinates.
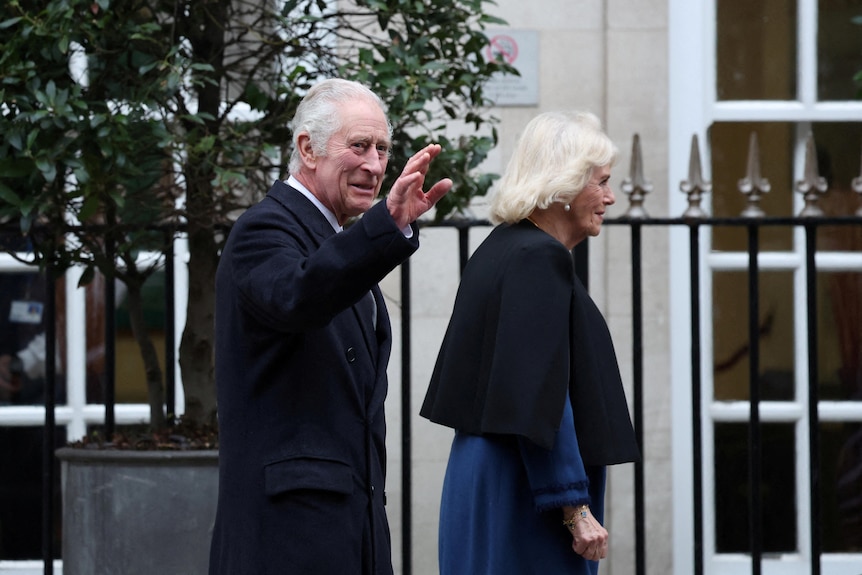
{"type": "Point", "coordinates": [503, 48]}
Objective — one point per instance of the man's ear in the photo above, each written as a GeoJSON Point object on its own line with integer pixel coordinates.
{"type": "Point", "coordinates": [306, 150]}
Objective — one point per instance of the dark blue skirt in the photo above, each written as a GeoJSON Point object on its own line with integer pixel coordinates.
{"type": "Point", "coordinates": [489, 524]}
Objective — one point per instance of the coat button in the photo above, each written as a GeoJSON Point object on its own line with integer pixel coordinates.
{"type": "Point", "coordinates": [351, 354]}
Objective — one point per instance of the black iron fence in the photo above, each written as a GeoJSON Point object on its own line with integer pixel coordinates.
{"type": "Point", "coordinates": [636, 219]}
{"type": "Point", "coordinates": [751, 221]}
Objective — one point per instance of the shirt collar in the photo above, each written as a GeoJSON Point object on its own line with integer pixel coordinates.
{"type": "Point", "coordinates": [330, 217]}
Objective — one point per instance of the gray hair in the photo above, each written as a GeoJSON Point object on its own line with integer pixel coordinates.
{"type": "Point", "coordinates": [318, 114]}
{"type": "Point", "coordinates": [552, 162]}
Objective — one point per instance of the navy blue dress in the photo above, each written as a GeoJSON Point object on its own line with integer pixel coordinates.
{"type": "Point", "coordinates": [500, 509]}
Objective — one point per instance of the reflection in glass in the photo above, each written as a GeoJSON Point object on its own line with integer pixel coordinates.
{"type": "Point", "coordinates": [23, 317]}
{"type": "Point", "coordinates": [839, 335]}
{"type": "Point", "coordinates": [730, 336]}
{"type": "Point", "coordinates": [839, 49]}
{"type": "Point", "coordinates": [131, 384]}
{"type": "Point", "coordinates": [756, 49]}
{"type": "Point", "coordinates": [841, 482]}
{"type": "Point", "coordinates": [777, 488]}
{"type": "Point", "coordinates": [839, 161]}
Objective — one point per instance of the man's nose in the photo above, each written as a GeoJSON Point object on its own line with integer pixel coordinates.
{"type": "Point", "coordinates": [373, 162]}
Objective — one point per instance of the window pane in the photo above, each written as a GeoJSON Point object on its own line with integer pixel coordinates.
{"type": "Point", "coordinates": [131, 380]}
{"type": "Point", "coordinates": [839, 49]}
{"type": "Point", "coordinates": [839, 155]}
{"type": "Point", "coordinates": [730, 336]}
{"type": "Point", "coordinates": [777, 488]}
{"type": "Point", "coordinates": [839, 335]}
{"type": "Point", "coordinates": [21, 493]}
{"type": "Point", "coordinates": [729, 142]}
{"type": "Point", "coordinates": [756, 49]}
{"type": "Point", "coordinates": [841, 476]}
{"type": "Point", "coordinates": [23, 316]}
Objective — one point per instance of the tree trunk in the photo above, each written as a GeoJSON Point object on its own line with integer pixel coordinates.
{"type": "Point", "coordinates": [152, 369]}
{"type": "Point", "coordinates": [207, 35]}
{"type": "Point", "coordinates": [196, 346]}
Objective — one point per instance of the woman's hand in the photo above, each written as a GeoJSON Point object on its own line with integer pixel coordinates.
{"type": "Point", "coordinates": [589, 538]}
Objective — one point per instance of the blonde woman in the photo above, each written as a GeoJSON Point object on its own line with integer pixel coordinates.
{"type": "Point", "coordinates": [527, 374]}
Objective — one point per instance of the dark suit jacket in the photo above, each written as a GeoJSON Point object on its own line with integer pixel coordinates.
{"type": "Point", "coordinates": [301, 378]}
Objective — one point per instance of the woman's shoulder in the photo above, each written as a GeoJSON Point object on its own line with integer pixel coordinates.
{"type": "Point", "coordinates": [525, 236]}
{"type": "Point", "coordinates": [523, 251]}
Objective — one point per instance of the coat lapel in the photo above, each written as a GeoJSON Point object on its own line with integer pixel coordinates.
{"type": "Point", "coordinates": [377, 340]}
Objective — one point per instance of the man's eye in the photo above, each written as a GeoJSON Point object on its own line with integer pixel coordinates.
{"type": "Point", "coordinates": [360, 145]}
{"type": "Point", "coordinates": [382, 150]}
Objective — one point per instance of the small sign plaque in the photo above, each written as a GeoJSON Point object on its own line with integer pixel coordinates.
{"type": "Point", "coordinates": [520, 49]}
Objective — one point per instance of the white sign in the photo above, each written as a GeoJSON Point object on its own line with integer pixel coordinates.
{"type": "Point", "coordinates": [519, 49]}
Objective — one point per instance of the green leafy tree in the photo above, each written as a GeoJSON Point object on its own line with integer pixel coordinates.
{"type": "Point", "coordinates": [125, 118]}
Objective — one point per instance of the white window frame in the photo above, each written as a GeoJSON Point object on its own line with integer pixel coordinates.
{"type": "Point", "coordinates": [76, 414]}
{"type": "Point", "coordinates": [693, 108]}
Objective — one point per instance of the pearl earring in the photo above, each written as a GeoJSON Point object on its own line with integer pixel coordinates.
{"type": "Point", "coordinates": [567, 207]}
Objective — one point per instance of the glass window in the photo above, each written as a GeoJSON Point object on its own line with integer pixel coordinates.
{"type": "Point", "coordinates": [839, 49]}
{"type": "Point", "coordinates": [756, 49]}
{"type": "Point", "coordinates": [839, 336]}
{"type": "Point", "coordinates": [731, 341]}
{"type": "Point", "coordinates": [732, 487]}
{"type": "Point", "coordinates": [131, 385]}
{"type": "Point", "coordinates": [841, 476]}
{"type": "Point", "coordinates": [21, 493]}
{"type": "Point", "coordinates": [23, 313]}
{"type": "Point", "coordinates": [839, 160]}
{"type": "Point", "coordinates": [729, 155]}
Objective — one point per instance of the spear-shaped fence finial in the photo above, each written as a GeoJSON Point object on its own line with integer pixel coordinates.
{"type": "Point", "coordinates": [813, 184]}
{"type": "Point", "coordinates": [752, 185]}
{"type": "Point", "coordinates": [694, 186]}
{"type": "Point", "coordinates": [636, 186]}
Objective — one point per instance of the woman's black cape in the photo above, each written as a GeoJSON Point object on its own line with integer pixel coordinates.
{"type": "Point", "coordinates": [523, 328]}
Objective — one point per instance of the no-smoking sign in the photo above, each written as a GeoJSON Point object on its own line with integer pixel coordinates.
{"type": "Point", "coordinates": [502, 47]}
{"type": "Point", "coordinates": [519, 49]}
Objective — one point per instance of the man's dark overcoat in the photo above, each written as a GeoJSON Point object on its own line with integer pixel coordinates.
{"type": "Point", "coordinates": [301, 377]}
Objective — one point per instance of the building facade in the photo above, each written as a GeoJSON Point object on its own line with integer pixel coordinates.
{"type": "Point", "coordinates": [673, 72]}
{"type": "Point", "coordinates": [722, 75]}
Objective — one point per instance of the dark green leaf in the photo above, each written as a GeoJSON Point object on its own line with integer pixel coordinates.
{"type": "Point", "coordinates": [8, 196]}
{"type": "Point", "coordinates": [9, 23]}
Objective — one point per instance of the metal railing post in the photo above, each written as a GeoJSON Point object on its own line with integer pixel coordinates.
{"type": "Point", "coordinates": [406, 426]}
{"type": "Point", "coordinates": [49, 430]}
{"type": "Point", "coordinates": [755, 442]}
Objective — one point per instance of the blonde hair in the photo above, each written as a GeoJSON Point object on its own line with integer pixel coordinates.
{"type": "Point", "coordinates": [552, 162]}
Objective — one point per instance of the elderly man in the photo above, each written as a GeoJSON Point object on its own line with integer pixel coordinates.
{"type": "Point", "coordinates": [303, 340]}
